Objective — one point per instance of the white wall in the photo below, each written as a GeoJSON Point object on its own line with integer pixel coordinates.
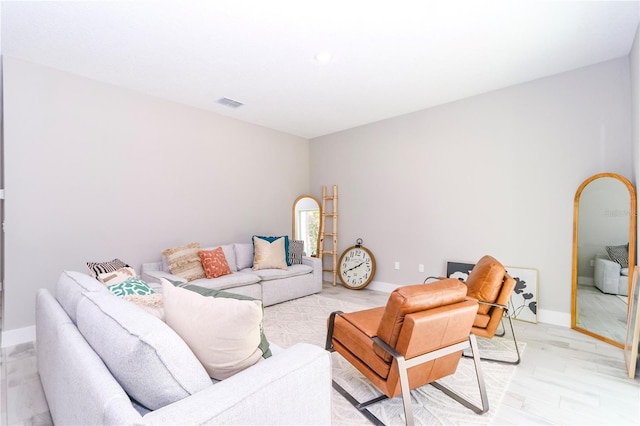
{"type": "Point", "coordinates": [493, 174]}
{"type": "Point", "coordinates": [634, 65]}
{"type": "Point", "coordinates": [95, 172]}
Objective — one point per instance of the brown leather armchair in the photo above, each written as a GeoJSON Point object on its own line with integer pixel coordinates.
{"type": "Point", "coordinates": [491, 285]}
{"type": "Point", "coordinates": [416, 339]}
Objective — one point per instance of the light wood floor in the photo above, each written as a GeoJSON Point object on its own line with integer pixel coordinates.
{"type": "Point", "coordinates": [604, 314]}
{"type": "Point", "coordinates": [565, 378]}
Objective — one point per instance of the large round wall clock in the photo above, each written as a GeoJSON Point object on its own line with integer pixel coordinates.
{"type": "Point", "coordinates": [357, 266]}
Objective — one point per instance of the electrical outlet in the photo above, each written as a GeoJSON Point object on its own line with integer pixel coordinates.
{"type": "Point", "coordinates": [421, 268]}
{"type": "Point", "coordinates": [397, 265]}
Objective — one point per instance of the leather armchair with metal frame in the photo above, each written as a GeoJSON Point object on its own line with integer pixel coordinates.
{"type": "Point", "coordinates": [491, 285]}
{"type": "Point", "coordinates": [416, 339]}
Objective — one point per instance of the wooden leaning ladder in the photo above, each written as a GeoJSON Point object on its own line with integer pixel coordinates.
{"type": "Point", "coordinates": [333, 232]}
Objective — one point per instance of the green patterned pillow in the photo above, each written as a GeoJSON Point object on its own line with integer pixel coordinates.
{"type": "Point", "coordinates": [133, 285]}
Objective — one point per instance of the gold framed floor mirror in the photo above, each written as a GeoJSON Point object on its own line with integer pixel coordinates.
{"type": "Point", "coordinates": [305, 223]}
{"type": "Point", "coordinates": [604, 254]}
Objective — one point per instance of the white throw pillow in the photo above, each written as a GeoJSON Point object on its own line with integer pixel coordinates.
{"type": "Point", "coordinates": [224, 334]}
{"type": "Point", "coordinates": [269, 255]}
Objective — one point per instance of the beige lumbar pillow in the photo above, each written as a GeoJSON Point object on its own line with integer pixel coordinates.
{"type": "Point", "coordinates": [224, 334]}
{"type": "Point", "coordinates": [269, 255]}
{"type": "Point", "coordinates": [118, 276]}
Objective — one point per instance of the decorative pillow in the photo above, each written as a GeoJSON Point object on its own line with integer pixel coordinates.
{"type": "Point", "coordinates": [209, 292]}
{"type": "Point", "coordinates": [224, 334]}
{"type": "Point", "coordinates": [214, 263]}
{"type": "Point", "coordinates": [151, 303]}
{"type": "Point", "coordinates": [619, 254]}
{"type": "Point", "coordinates": [116, 277]}
{"type": "Point", "coordinates": [149, 360]}
{"type": "Point", "coordinates": [97, 268]}
{"type": "Point", "coordinates": [269, 255]}
{"type": "Point", "coordinates": [185, 262]}
{"type": "Point", "coordinates": [296, 250]}
{"type": "Point", "coordinates": [133, 285]}
{"type": "Point", "coordinates": [272, 239]}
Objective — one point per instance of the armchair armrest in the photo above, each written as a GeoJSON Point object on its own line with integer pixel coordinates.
{"type": "Point", "coordinates": [291, 387]}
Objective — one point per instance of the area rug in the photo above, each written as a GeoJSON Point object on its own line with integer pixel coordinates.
{"type": "Point", "coordinates": [305, 319]}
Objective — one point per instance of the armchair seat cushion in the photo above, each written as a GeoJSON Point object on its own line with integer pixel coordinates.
{"type": "Point", "coordinates": [482, 320]}
{"type": "Point", "coordinates": [357, 329]}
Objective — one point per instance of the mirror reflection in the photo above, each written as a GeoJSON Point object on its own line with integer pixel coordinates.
{"type": "Point", "coordinates": [306, 223]}
{"type": "Point", "coordinates": [604, 253]}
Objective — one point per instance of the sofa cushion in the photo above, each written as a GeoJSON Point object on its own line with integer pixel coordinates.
{"type": "Point", "coordinates": [244, 255]}
{"type": "Point", "coordinates": [149, 360]}
{"type": "Point", "coordinates": [237, 279]}
{"type": "Point", "coordinates": [185, 262]}
{"type": "Point", "coordinates": [296, 251]}
{"type": "Point", "coordinates": [223, 333]}
{"type": "Point", "coordinates": [269, 254]}
{"type": "Point", "coordinates": [214, 262]}
{"type": "Point", "coordinates": [70, 287]}
{"type": "Point", "coordinates": [151, 303]}
{"type": "Point", "coordinates": [133, 285]}
{"type": "Point", "coordinates": [276, 274]}
{"type": "Point", "coordinates": [97, 268]}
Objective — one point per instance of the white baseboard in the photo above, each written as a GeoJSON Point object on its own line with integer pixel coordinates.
{"type": "Point", "coordinates": [383, 287]}
{"type": "Point", "coordinates": [554, 317]}
{"type": "Point", "coordinates": [18, 336]}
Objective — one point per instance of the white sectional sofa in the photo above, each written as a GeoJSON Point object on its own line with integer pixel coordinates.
{"type": "Point", "coordinates": [609, 277]}
{"type": "Point", "coordinates": [98, 354]}
{"type": "Point", "coordinates": [269, 285]}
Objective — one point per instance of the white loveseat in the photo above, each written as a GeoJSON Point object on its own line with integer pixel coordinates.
{"type": "Point", "coordinates": [269, 285]}
{"type": "Point", "coordinates": [97, 353]}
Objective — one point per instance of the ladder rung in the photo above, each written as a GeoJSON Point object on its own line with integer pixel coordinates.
{"type": "Point", "coordinates": [329, 234]}
{"type": "Point", "coordinates": [329, 214]}
{"type": "Point", "coordinates": [324, 253]}
{"type": "Point", "coordinates": [329, 270]}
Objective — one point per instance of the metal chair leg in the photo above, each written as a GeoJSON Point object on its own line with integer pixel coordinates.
{"type": "Point", "coordinates": [484, 400]}
{"type": "Point", "coordinates": [504, 361]}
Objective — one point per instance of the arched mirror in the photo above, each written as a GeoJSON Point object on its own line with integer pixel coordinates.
{"type": "Point", "coordinates": [604, 249]}
{"type": "Point", "coordinates": [306, 223]}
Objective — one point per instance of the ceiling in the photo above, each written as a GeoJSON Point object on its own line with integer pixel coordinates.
{"type": "Point", "coordinates": [389, 58]}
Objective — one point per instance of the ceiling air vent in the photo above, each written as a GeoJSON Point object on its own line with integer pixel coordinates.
{"type": "Point", "coordinates": [229, 103]}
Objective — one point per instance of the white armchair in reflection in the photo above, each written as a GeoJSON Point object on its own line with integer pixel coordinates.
{"type": "Point", "coordinates": [609, 277]}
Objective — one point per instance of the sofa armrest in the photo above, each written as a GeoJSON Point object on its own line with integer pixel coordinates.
{"type": "Point", "coordinates": [316, 264]}
{"type": "Point", "coordinates": [606, 275]}
{"type": "Point", "coordinates": [291, 387]}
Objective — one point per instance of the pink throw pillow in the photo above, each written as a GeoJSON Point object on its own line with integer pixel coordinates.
{"type": "Point", "coordinates": [214, 263]}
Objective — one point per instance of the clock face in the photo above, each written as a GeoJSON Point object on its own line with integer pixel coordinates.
{"type": "Point", "coordinates": [357, 267]}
